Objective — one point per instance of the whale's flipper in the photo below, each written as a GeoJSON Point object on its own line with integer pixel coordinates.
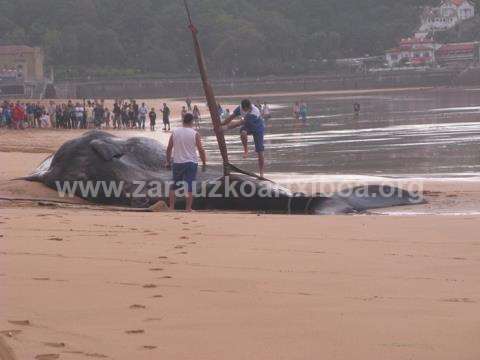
{"type": "Point", "coordinates": [108, 150]}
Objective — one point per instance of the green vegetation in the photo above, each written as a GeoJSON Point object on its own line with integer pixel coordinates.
{"type": "Point", "coordinates": [239, 37]}
{"type": "Point", "coordinates": [468, 30]}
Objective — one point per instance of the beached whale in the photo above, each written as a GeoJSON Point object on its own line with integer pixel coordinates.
{"type": "Point", "coordinates": [106, 169]}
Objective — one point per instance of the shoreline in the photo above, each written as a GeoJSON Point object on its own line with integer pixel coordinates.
{"type": "Point", "coordinates": [85, 281]}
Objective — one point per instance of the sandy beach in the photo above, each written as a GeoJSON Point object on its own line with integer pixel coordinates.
{"type": "Point", "coordinates": [80, 281]}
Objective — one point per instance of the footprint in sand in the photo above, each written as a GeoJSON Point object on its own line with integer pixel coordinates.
{"type": "Point", "coordinates": [157, 296]}
{"type": "Point", "coordinates": [92, 355]}
{"type": "Point", "coordinates": [163, 257]}
{"type": "Point", "coordinates": [20, 322]}
{"type": "Point", "coordinates": [149, 347]}
{"type": "Point", "coordinates": [41, 279]}
{"type": "Point", "coordinates": [149, 286]}
{"type": "Point", "coordinates": [137, 307]}
{"type": "Point", "coordinates": [55, 344]}
{"type": "Point", "coordinates": [459, 300]}
{"type": "Point", "coordinates": [47, 357]}
{"type": "Point", "coordinates": [156, 269]}
{"type": "Point", "coordinates": [54, 238]}
{"type": "Point", "coordinates": [152, 319]}
{"type": "Point", "coordinates": [184, 238]}
{"type": "Point", "coordinates": [135, 332]}
{"type": "Point", "coordinates": [179, 247]}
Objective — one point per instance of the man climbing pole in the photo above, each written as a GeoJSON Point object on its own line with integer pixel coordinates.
{"type": "Point", "coordinates": [250, 123]}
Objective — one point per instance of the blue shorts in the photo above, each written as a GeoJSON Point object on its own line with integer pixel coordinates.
{"type": "Point", "coordinates": [184, 173]}
{"type": "Point", "coordinates": [254, 126]}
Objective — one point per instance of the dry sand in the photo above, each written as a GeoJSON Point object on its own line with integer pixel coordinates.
{"type": "Point", "coordinates": [82, 282]}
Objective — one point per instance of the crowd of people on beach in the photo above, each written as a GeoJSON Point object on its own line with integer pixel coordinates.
{"type": "Point", "coordinates": [81, 115]}
{"type": "Point", "coordinates": [94, 114]}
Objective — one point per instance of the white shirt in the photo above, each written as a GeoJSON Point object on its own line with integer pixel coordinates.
{"type": "Point", "coordinates": [184, 145]}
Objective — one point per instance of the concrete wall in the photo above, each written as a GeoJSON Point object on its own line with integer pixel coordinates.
{"type": "Point", "coordinates": [192, 87]}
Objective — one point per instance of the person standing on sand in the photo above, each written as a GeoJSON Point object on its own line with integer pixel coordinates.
{"type": "Point", "coordinates": [18, 115]}
{"type": "Point", "coordinates": [135, 112]}
{"type": "Point", "coordinates": [166, 117]}
{"type": "Point", "coordinates": [38, 112]}
{"type": "Point", "coordinates": [30, 115]}
{"type": "Point", "coordinates": [184, 144]}
{"type": "Point", "coordinates": [89, 113]}
{"type": "Point", "coordinates": [142, 116]}
{"type": "Point", "coordinates": [98, 113]}
{"type": "Point", "coordinates": [117, 116]}
{"type": "Point", "coordinates": [107, 117]}
{"type": "Point", "coordinates": [251, 124]}
{"type": "Point", "coordinates": [80, 117]}
{"type": "Point", "coordinates": [153, 119]}
{"type": "Point", "coordinates": [188, 101]}
{"type": "Point", "coordinates": [125, 115]}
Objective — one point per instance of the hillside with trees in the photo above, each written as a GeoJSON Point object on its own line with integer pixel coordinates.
{"type": "Point", "coordinates": [240, 37]}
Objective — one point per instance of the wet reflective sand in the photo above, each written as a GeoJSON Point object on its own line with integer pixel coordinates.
{"type": "Point", "coordinates": [434, 133]}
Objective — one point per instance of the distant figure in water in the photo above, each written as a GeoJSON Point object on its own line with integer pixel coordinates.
{"type": "Point", "coordinates": [296, 111]}
{"type": "Point", "coordinates": [184, 112]}
{"type": "Point", "coordinates": [356, 108]}
{"type": "Point", "coordinates": [220, 111]}
{"type": "Point", "coordinates": [266, 111]}
{"type": "Point", "coordinates": [196, 116]}
{"type": "Point", "coordinates": [250, 124]}
{"type": "Point", "coordinates": [304, 111]}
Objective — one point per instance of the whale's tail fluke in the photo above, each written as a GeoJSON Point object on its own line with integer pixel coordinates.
{"type": "Point", "coordinates": [40, 172]}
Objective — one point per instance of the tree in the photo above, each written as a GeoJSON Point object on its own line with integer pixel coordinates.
{"type": "Point", "coordinates": [241, 37]}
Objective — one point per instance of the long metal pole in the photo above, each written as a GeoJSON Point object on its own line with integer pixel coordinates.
{"type": "Point", "coordinates": [209, 94]}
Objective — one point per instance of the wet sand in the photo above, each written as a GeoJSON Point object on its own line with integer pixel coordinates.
{"type": "Point", "coordinates": [81, 282]}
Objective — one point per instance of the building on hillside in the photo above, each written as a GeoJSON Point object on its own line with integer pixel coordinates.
{"type": "Point", "coordinates": [426, 52]}
{"type": "Point", "coordinates": [458, 55]}
{"type": "Point", "coordinates": [413, 51]}
{"type": "Point", "coordinates": [363, 64]}
{"type": "Point", "coordinates": [21, 70]}
{"type": "Point", "coordinates": [446, 16]}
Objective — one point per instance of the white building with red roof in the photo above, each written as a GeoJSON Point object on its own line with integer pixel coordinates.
{"type": "Point", "coordinates": [458, 55]}
{"type": "Point", "coordinates": [444, 17]}
{"type": "Point", "coordinates": [413, 51]}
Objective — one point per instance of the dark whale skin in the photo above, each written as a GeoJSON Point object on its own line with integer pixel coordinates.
{"type": "Point", "coordinates": [100, 156]}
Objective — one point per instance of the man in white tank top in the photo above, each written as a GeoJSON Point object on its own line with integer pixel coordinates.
{"type": "Point", "coordinates": [184, 143]}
